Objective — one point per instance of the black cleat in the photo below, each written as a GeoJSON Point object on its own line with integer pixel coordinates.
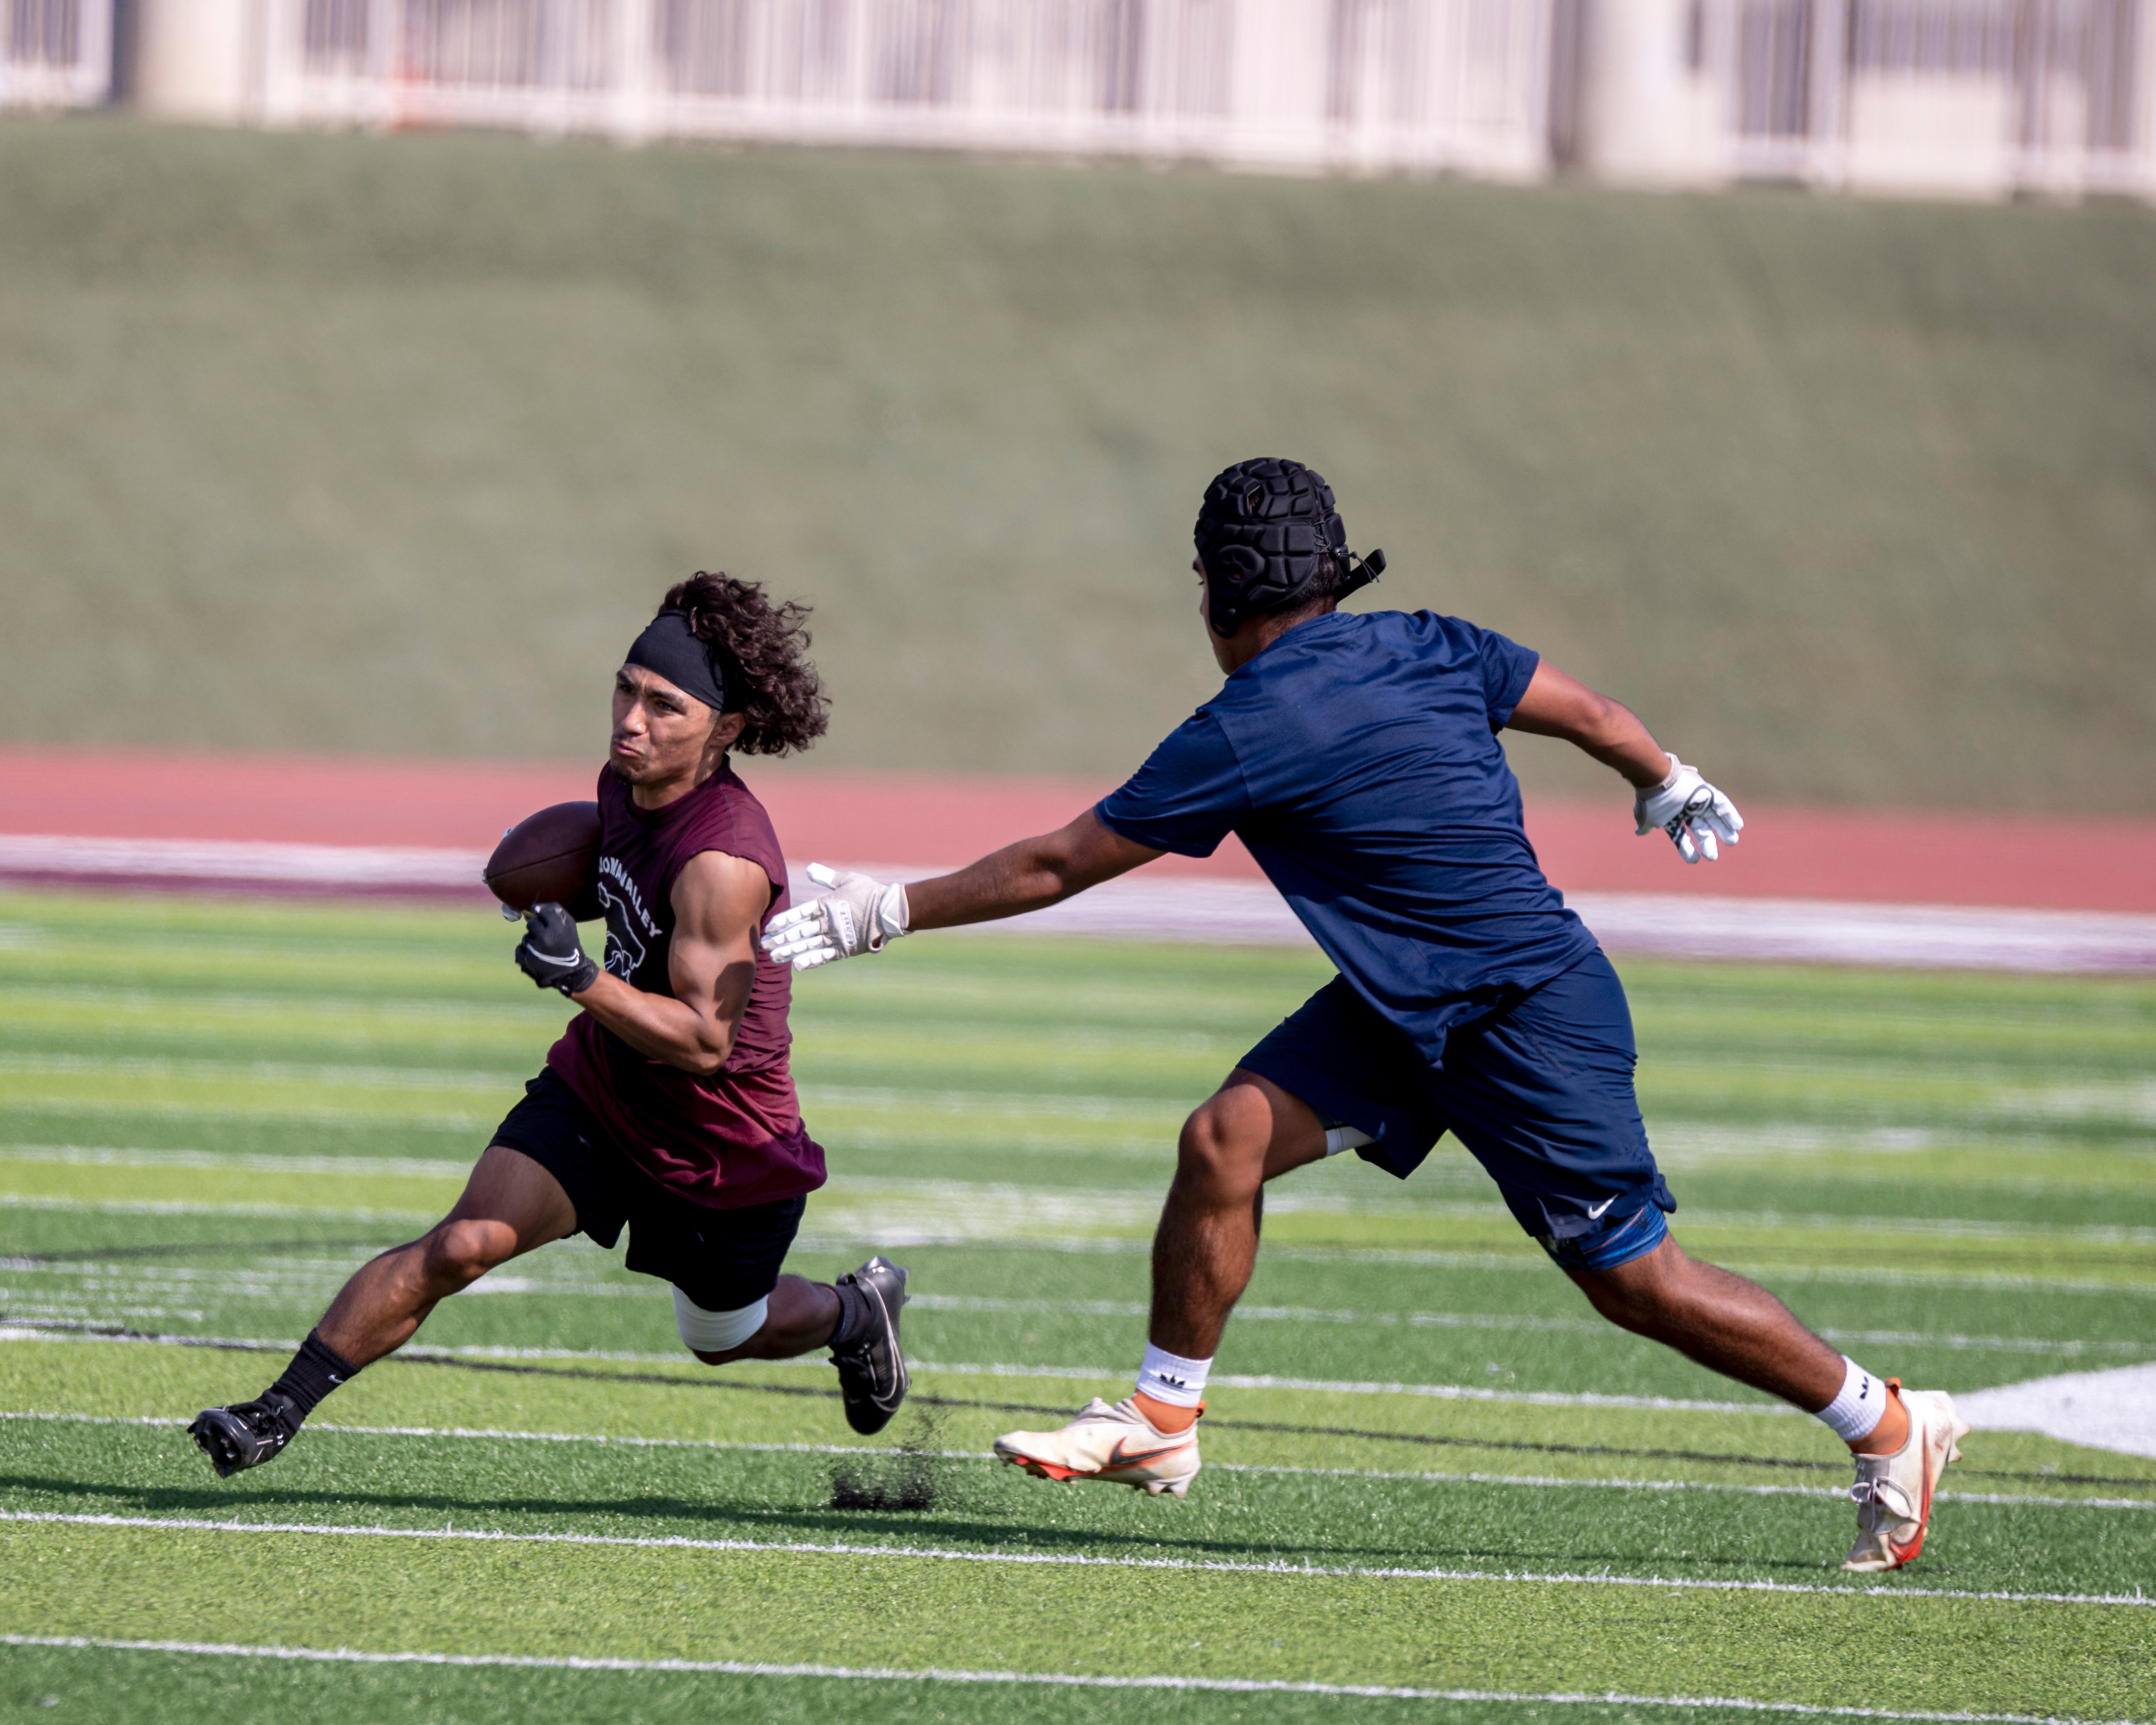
{"type": "Point", "coordinates": [244, 1435]}
{"type": "Point", "coordinates": [871, 1369]}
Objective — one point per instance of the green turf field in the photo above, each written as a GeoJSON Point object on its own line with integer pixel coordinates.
{"type": "Point", "coordinates": [1430, 1471]}
{"type": "Point", "coordinates": [386, 444]}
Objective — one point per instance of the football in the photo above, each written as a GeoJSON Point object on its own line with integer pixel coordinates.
{"type": "Point", "coordinates": [550, 856]}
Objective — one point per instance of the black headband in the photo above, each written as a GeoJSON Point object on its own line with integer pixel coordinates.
{"type": "Point", "coordinates": [671, 648]}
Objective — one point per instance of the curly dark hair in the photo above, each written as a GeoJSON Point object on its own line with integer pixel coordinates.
{"type": "Point", "coordinates": [764, 646]}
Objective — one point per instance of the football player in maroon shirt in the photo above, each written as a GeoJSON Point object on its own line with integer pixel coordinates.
{"type": "Point", "coordinates": [667, 1106]}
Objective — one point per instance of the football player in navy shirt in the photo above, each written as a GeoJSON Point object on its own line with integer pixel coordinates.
{"type": "Point", "coordinates": [1357, 758]}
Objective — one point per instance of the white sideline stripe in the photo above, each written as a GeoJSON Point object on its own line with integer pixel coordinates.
{"type": "Point", "coordinates": [1063, 1560]}
{"type": "Point", "coordinates": [1057, 1680]}
{"type": "Point", "coordinates": [188, 1206]}
{"type": "Point", "coordinates": [124, 1156]}
{"type": "Point", "coordinates": [1541, 1482]}
{"type": "Point", "coordinates": [2111, 1410]}
{"type": "Point", "coordinates": [1444, 1392]}
{"type": "Point", "coordinates": [1527, 1259]}
{"type": "Point", "coordinates": [91, 1275]}
{"type": "Point", "coordinates": [1229, 912]}
{"type": "Point", "coordinates": [1687, 925]}
{"type": "Point", "coordinates": [2048, 1347]}
{"type": "Point", "coordinates": [1328, 1386]}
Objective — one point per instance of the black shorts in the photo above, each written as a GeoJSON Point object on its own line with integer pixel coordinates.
{"type": "Point", "coordinates": [722, 1260]}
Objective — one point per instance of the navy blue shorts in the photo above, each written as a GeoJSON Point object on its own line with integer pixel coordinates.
{"type": "Point", "coordinates": [722, 1260]}
{"type": "Point", "coordinates": [1540, 1091]}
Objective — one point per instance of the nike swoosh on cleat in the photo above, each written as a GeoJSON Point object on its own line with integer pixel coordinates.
{"type": "Point", "coordinates": [1116, 1458]}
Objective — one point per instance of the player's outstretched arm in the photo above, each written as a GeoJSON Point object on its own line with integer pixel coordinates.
{"type": "Point", "coordinates": [718, 900]}
{"type": "Point", "coordinates": [1667, 794]}
{"type": "Point", "coordinates": [861, 915]}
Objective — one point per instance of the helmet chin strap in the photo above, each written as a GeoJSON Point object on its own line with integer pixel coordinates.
{"type": "Point", "coordinates": [1362, 572]}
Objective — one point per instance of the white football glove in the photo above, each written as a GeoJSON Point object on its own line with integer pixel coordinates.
{"type": "Point", "coordinates": [1690, 811]}
{"type": "Point", "coordinates": [859, 915]}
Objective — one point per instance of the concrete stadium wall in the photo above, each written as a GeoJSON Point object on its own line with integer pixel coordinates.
{"type": "Point", "coordinates": [387, 444]}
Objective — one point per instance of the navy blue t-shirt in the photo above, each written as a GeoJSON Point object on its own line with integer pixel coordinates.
{"type": "Point", "coordinates": [1358, 758]}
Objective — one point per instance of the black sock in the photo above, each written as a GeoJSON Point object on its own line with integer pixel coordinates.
{"type": "Point", "coordinates": [852, 1309]}
{"type": "Point", "coordinates": [315, 1370]}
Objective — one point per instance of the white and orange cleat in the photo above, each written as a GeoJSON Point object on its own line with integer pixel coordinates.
{"type": "Point", "coordinates": [1893, 1493]}
{"type": "Point", "coordinates": [1118, 1444]}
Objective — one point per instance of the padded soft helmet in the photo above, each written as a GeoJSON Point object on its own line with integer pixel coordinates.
{"type": "Point", "coordinates": [1260, 532]}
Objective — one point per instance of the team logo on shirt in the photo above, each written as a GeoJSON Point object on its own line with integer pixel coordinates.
{"type": "Point", "coordinates": [628, 924]}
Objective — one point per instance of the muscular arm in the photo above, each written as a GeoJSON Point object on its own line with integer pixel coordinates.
{"type": "Point", "coordinates": [1556, 704]}
{"type": "Point", "coordinates": [1026, 875]}
{"type": "Point", "coordinates": [718, 903]}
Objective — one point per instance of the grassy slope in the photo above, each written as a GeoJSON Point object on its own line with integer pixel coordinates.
{"type": "Point", "coordinates": [209, 1112]}
{"type": "Point", "coordinates": [384, 443]}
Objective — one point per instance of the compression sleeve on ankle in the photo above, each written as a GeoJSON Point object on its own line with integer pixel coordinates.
{"type": "Point", "coordinates": [315, 1370]}
{"type": "Point", "coordinates": [1856, 1412]}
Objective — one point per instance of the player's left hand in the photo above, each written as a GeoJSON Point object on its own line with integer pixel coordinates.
{"type": "Point", "coordinates": [859, 915]}
{"type": "Point", "coordinates": [550, 952]}
{"type": "Point", "coordinates": [1698, 818]}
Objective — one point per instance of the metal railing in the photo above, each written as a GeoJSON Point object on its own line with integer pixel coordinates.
{"type": "Point", "coordinates": [1458, 85]}
{"type": "Point", "coordinates": [56, 54]}
{"type": "Point", "coordinates": [1980, 95]}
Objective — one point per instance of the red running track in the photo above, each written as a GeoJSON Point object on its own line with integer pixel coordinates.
{"type": "Point", "coordinates": [1790, 850]}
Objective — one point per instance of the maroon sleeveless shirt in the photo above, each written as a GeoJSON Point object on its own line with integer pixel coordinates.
{"type": "Point", "coordinates": [733, 1139]}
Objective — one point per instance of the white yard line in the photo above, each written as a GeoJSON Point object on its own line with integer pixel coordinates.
{"type": "Point", "coordinates": [125, 1156]}
{"type": "Point", "coordinates": [1238, 1686]}
{"type": "Point", "coordinates": [188, 1206]}
{"type": "Point", "coordinates": [1539, 1482]}
{"type": "Point", "coordinates": [1061, 1560]}
{"type": "Point", "coordinates": [1057, 1680]}
{"type": "Point", "coordinates": [2048, 1347]}
{"type": "Point", "coordinates": [91, 1276]}
{"type": "Point", "coordinates": [1443, 1392]}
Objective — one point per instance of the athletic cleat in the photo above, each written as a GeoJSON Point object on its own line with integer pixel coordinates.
{"type": "Point", "coordinates": [1118, 1444]}
{"type": "Point", "coordinates": [244, 1435]}
{"type": "Point", "coordinates": [872, 1377]}
{"type": "Point", "coordinates": [1893, 1493]}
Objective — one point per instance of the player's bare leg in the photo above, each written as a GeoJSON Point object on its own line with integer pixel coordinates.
{"type": "Point", "coordinates": [1247, 1132]}
{"type": "Point", "coordinates": [510, 1205]}
{"type": "Point", "coordinates": [1732, 1326]}
{"type": "Point", "coordinates": [1737, 1328]}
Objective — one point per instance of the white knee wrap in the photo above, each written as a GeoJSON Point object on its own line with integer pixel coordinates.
{"type": "Point", "coordinates": [716, 1332]}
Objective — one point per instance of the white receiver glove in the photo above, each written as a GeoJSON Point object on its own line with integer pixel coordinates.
{"type": "Point", "coordinates": [859, 915]}
{"type": "Point", "coordinates": [1690, 811]}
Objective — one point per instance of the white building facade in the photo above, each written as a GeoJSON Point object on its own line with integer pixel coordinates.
{"type": "Point", "coordinates": [1965, 98]}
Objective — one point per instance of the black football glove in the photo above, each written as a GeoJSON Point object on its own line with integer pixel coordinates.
{"type": "Point", "coordinates": [549, 953]}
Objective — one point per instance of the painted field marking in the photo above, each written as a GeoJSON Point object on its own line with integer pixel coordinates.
{"type": "Point", "coordinates": [2045, 1346]}
{"type": "Point", "coordinates": [1527, 1259]}
{"type": "Point", "coordinates": [197, 1113]}
{"type": "Point", "coordinates": [294, 1278]}
{"type": "Point", "coordinates": [1057, 1680]}
{"type": "Point", "coordinates": [124, 1156]}
{"type": "Point", "coordinates": [491, 1434]}
{"type": "Point", "coordinates": [189, 1207]}
{"type": "Point", "coordinates": [265, 1071]}
{"type": "Point", "coordinates": [33, 1332]}
{"type": "Point", "coordinates": [1067, 1560]}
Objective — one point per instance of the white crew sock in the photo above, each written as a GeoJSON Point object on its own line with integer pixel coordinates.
{"type": "Point", "coordinates": [1170, 1378]}
{"type": "Point", "coordinates": [1855, 1415]}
